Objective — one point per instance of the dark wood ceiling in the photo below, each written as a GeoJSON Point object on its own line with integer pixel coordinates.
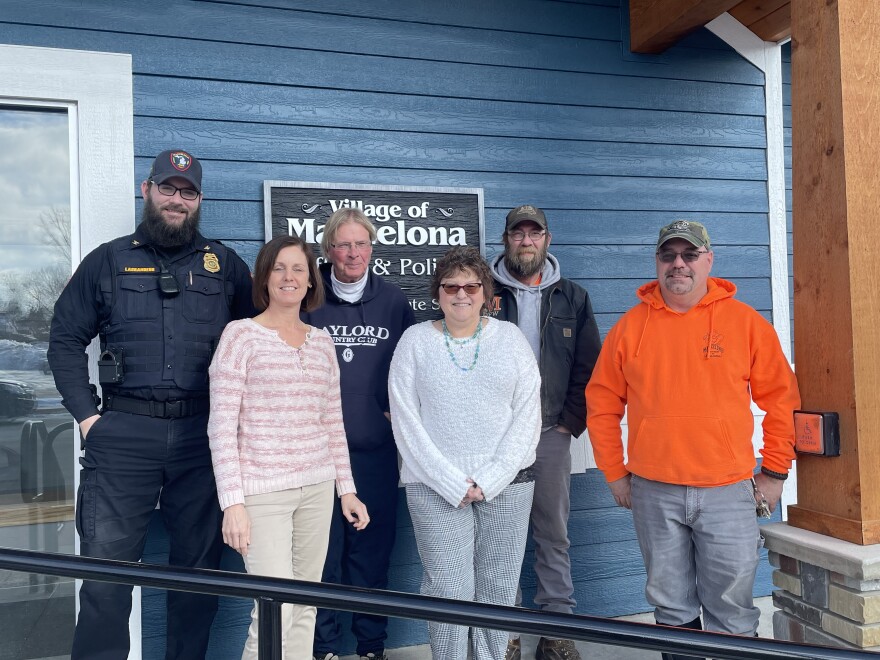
{"type": "Point", "coordinates": [655, 25]}
{"type": "Point", "coordinates": [769, 19]}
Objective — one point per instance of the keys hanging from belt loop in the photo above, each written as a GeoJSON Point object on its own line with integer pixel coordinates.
{"type": "Point", "coordinates": [762, 509]}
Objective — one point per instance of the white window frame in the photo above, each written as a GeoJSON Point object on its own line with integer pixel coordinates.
{"type": "Point", "coordinates": [96, 90]}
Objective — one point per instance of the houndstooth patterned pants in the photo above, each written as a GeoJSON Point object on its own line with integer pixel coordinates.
{"type": "Point", "coordinates": [473, 554]}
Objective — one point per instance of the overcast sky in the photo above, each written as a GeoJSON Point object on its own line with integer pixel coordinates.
{"type": "Point", "coordinates": [34, 179]}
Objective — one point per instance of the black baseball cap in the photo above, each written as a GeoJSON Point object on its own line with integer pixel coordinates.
{"type": "Point", "coordinates": [177, 163]}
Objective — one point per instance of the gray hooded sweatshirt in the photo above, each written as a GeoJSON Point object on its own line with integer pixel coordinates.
{"type": "Point", "coordinates": [528, 298]}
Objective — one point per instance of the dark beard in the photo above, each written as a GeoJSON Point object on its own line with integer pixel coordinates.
{"type": "Point", "coordinates": [520, 267]}
{"type": "Point", "coordinates": [161, 234]}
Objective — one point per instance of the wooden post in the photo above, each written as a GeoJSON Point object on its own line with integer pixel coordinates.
{"type": "Point", "coordinates": [836, 211]}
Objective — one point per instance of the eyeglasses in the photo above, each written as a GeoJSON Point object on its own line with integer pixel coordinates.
{"type": "Point", "coordinates": [189, 194]}
{"type": "Point", "coordinates": [360, 246]}
{"type": "Point", "coordinates": [535, 235]}
{"type": "Point", "coordinates": [470, 288]}
{"type": "Point", "coordinates": [689, 256]}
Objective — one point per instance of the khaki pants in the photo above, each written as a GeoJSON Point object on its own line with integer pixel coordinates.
{"type": "Point", "coordinates": [290, 530]}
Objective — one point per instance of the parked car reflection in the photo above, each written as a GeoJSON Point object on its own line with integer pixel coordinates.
{"type": "Point", "coordinates": [17, 398]}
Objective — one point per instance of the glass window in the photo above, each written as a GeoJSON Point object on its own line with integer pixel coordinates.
{"type": "Point", "coordinates": [36, 432]}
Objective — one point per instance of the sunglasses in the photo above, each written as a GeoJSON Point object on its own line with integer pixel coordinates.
{"type": "Point", "coordinates": [669, 256]}
{"type": "Point", "coordinates": [471, 288]}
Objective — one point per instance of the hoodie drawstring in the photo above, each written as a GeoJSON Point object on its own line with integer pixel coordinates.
{"type": "Point", "coordinates": [711, 328]}
{"type": "Point", "coordinates": [644, 328]}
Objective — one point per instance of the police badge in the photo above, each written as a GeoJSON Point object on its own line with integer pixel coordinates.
{"type": "Point", "coordinates": [212, 265]}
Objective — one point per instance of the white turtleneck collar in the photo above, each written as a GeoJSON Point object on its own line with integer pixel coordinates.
{"type": "Point", "coordinates": [349, 292]}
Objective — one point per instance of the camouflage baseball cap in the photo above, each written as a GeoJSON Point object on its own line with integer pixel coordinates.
{"type": "Point", "coordinates": [524, 213]}
{"type": "Point", "coordinates": [693, 232]}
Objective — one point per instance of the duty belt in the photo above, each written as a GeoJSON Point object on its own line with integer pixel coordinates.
{"type": "Point", "coordinates": [163, 409]}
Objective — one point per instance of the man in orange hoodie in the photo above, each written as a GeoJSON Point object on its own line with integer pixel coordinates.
{"type": "Point", "coordinates": [684, 365]}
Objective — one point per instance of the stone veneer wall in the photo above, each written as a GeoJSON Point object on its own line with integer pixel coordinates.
{"type": "Point", "coordinates": [829, 590]}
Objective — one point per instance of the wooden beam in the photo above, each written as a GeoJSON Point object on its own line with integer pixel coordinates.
{"type": "Point", "coordinates": [836, 191]}
{"type": "Point", "coordinates": [768, 19]}
{"type": "Point", "coordinates": [655, 25]}
{"type": "Point", "coordinates": [775, 26]}
{"type": "Point", "coordinates": [748, 12]}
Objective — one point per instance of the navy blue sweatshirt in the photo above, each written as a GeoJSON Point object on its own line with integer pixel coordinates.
{"type": "Point", "coordinates": [366, 333]}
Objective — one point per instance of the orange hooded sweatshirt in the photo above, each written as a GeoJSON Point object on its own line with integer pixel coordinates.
{"type": "Point", "coordinates": [686, 382]}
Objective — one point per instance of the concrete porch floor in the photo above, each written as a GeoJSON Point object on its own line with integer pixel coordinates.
{"type": "Point", "coordinates": [591, 651]}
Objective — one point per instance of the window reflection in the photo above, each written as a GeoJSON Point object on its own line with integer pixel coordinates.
{"type": "Point", "coordinates": [36, 433]}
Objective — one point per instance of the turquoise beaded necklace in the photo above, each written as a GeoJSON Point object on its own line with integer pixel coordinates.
{"type": "Point", "coordinates": [449, 339]}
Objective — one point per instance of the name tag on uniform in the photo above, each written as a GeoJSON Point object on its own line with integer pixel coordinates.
{"type": "Point", "coordinates": [566, 332]}
{"type": "Point", "coordinates": [140, 269]}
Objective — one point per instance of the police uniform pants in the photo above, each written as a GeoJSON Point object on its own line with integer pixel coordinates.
{"type": "Point", "coordinates": [361, 558]}
{"type": "Point", "coordinates": [132, 462]}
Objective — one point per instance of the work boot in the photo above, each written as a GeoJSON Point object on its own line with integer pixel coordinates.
{"type": "Point", "coordinates": [696, 624]}
{"type": "Point", "coordinates": [514, 650]}
{"type": "Point", "coordinates": [556, 649]}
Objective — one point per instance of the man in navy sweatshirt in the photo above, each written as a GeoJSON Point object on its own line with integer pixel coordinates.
{"type": "Point", "coordinates": [366, 316]}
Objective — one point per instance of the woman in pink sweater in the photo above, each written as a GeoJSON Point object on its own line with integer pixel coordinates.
{"type": "Point", "coordinates": [277, 439]}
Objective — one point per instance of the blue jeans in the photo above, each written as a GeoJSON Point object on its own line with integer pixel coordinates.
{"type": "Point", "coordinates": [701, 549]}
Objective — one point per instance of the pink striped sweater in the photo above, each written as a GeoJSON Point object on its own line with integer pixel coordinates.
{"type": "Point", "coordinates": [276, 414]}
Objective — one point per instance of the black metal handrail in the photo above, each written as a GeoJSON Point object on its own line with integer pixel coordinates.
{"type": "Point", "coordinates": [271, 592]}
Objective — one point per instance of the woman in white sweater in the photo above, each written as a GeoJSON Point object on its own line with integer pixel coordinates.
{"type": "Point", "coordinates": [277, 440]}
{"type": "Point", "coordinates": [465, 408]}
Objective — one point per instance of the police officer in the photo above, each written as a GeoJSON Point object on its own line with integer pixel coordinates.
{"type": "Point", "coordinates": [158, 299]}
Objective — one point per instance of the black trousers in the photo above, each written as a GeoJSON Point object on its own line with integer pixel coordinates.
{"type": "Point", "coordinates": [132, 462]}
{"type": "Point", "coordinates": [361, 558]}
{"type": "Point", "coordinates": [696, 624]}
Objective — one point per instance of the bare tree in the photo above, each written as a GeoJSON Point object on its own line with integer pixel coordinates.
{"type": "Point", "coordinates": [56, 230]}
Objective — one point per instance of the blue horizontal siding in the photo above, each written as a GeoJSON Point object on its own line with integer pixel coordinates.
{"type": "Point", "coordinates": [271, 104]}
{"type": "Point", "coordinates": [292, 29]}
{"type": "Point", "coordinates": [534, 101]}
{"type": "Point", "coordinates": [353, 147]}
{"type": "Point", "coordinates": [242, 62]}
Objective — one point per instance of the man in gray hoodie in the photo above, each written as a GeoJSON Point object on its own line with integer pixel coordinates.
{"type": "Point", "coordinates": [556, 317]}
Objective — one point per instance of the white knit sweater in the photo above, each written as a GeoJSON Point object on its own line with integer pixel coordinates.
{"type": "Point", "coordinates": [450, 424]}
{"type": "Point", "coordinates": [276, 414]}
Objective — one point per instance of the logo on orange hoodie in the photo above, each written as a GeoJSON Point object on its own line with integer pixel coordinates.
{"type": "Point", "coordinates": [714, 347]}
